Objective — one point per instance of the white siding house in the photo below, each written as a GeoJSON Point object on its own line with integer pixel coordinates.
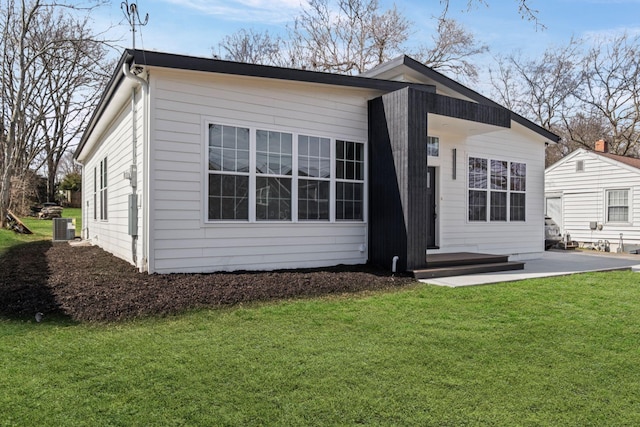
{"type": "Point", "coordinates": [595, 197]}
{"type": "Point", "coordinates": [201, 165]}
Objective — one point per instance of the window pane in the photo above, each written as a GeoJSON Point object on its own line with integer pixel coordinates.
{"type": "Point", "coordinates": [349, 201]}
{"type": "Point", "coordinates": [498, 206]}
{"type": "Point", "coordinates": [215, 136]}
{"type": "Point", "coordinates": [518, 207]}
{"type": "Point", "coordinates": [477, 205]}
{"type": "Point", "coordinates": [313, 200]}
{"type": "Point", "coordinates": [273, 153]}
{"type": "Point", "coordinates": [518, 176]}
{"type": "Point", "coordinates": [228, 148]}
{"type": "Point", "coordinates": [243, 139]}
{"type": "Point", "coordinates": [498, 175]}
{"type": "Point", "coordinates": [349, 160]}
{"type": "Point", "coordinates": [313, 159]}
{"type": "Point", "coordinates": [433, 146]}
{"type": "Point", "coordinates": [618, 205]}
{"type": "Point", "coordinates": [477, 172]}
{"type": "Point", "coordinates": [273, 198]}
{"type": "Point", "coordinates": [228, 197]}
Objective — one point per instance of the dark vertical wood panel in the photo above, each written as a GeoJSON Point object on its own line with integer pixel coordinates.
{"type": "Point", "coordinates": [398, 179]}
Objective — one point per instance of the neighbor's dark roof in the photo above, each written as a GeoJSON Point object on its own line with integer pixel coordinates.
{"type": "Point", "coordinates": [631, 161]}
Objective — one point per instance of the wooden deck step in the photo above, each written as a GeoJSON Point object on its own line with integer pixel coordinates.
{"type": "Point", "coordinates": [463, 258]}
{"type": "Point", "coordinates": [460, 270]}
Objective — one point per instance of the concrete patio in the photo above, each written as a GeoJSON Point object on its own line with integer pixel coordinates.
{"type": "Point", "coordinates": [552, 263]}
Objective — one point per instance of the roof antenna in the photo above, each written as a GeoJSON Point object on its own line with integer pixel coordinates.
{"type": "Point", "coordinates": [133, 18]}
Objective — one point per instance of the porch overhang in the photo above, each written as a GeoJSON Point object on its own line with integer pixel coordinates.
{"type": "Point", "coordinates": [398, 174]}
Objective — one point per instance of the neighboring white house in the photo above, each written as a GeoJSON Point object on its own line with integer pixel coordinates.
{"type": "Point", "coordinates": [200, 165]}
{"type": "Point", "coordinates": [595, 197]}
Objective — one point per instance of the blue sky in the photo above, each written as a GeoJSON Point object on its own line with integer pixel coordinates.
{"type": "Point", "coordinates": [192, 27]}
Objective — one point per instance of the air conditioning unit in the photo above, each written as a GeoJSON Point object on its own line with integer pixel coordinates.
{"type": "Point", "coordinates": [63, 229]}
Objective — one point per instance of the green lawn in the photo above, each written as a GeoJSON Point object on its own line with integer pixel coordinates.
{"type": "Point", "coordinates": [559, 352]}
{"type": "Point", "coordinates": [42, 229]}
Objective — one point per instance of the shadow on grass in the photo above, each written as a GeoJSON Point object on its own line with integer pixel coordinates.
{"type": "Point", "coordinates": [24, 274]}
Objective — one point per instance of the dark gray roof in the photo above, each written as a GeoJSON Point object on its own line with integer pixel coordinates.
{"type": "Point", "coordinates": [184, 62]}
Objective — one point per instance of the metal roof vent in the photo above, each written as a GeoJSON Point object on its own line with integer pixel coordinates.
{"type": "Point", "coordinates": [64, 229]}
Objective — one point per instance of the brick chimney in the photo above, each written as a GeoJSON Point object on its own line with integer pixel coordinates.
{"type": "Point", "coordinates": [601, 146]}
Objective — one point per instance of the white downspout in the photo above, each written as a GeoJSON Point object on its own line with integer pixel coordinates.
{"type": "Point", "coordinates": [145, 154]}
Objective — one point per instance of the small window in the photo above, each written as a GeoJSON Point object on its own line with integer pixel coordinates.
{"type": "Point", "coordinates": [349, 180]}
{"type": "Point", "coordinates": [433, 146]}
{"type": "Point", "coordinates": [95, 193]}
{"type": "Point", "coordinates": [103, 190]}
{"type": "Point", "coordinates": [579, 165]}
{"type": "Point", "coordinates": [617, 205]}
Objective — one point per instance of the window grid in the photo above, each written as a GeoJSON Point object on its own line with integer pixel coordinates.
{"type": "Point", "coordinates": [103, 190]}
{"type": "Point", "coordinates": [506, 198]}
{"type": "Point", "coordinates": [271, 183]}
{"type": "Point", "coordinates": [617, 205]}
{"type": "Point", "coordinates": [349, 180]}
{"type": "Point", "coordinates": [314, 172]}
{"type": "Point", "coordinates": [228, 173]}
{"type": "Point", "coordinates": [95, 193]}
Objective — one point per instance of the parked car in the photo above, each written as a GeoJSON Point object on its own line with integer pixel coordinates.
{"type": "Point", "coordinates": [551, 233]}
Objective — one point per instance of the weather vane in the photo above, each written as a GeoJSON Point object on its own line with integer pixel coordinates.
{"type": "Point", "coordinates": [133, 18]}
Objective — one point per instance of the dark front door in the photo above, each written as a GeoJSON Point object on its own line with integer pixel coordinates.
{"type": "Point", "coordinates": [431, 211]}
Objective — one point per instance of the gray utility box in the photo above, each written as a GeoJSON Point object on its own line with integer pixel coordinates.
{"type": "Point", "coordinates": [63, 229]}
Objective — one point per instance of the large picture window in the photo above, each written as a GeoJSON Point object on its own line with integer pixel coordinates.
{"type": "Point", "coordinates": [349, 180]}
{"type": "Point", "coordinates": [228, 173]}
{"type": "Point", "coordinates": [497, 190]}
{"type": "Point", "coordinates": [617, 205]}
{"type": "Point", "coordinates": [271, 175]}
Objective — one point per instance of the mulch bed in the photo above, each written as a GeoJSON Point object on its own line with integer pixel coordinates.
{"type": "Point", "coordinates": [85, 283]}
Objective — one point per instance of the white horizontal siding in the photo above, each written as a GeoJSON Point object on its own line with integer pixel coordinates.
{"type": "Point", "coordinates": [116, 145]}
{"type": "Point", "coordinates": [455, 233]}
{"type": "Point", "coordinates": [181, 239]}
{"type": "Point", "coordinates": [584, 197]}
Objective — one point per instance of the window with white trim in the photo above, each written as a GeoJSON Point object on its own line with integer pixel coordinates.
{"type": "Point", "coordinates": [271, 175]}
{"type": "Point", "coordinates": [617, 205]}
{"type": "Point", "coordinates": [314, 177]}
{"type": "Point", "coordinates": [274, 167]}
{"type": "Point", "coordinates": [349, 180]}
{"type": "Point", "coordinates": [95, 193]}
{"type": "Point", "coordinates": [228, 173]}
{"type": "Point", "coordinates": [103, 190]}
{"type": "Point", "coordinates": [517, 195]}
{"type": "Point", "coordinates": [433, 146]}
{"type": "Point", "coordinates": [496, 190]}
{"type": "Point", "coordinates": [477, 189]}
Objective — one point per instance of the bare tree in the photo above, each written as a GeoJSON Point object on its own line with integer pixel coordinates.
{"type": "Point", "coordinates": [353, 36]}
{"type": "Point", "coordinates": [351, 39]}
{"type": "Point", "coordinates": [542, 89]}
{"type": "Point", "coordinates": [35, 38]}
{"type": "Point", "coordinates": [524, 9]}
{"type": "Point", "coordinates": [253, 47]}
{"type": "Point", "coordinates": [452, 48]}
{"type": "Point", "coordinates": [611, 87]}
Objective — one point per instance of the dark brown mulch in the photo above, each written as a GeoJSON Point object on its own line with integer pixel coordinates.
{"type": "Point", "coordinates": [88, 284]}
